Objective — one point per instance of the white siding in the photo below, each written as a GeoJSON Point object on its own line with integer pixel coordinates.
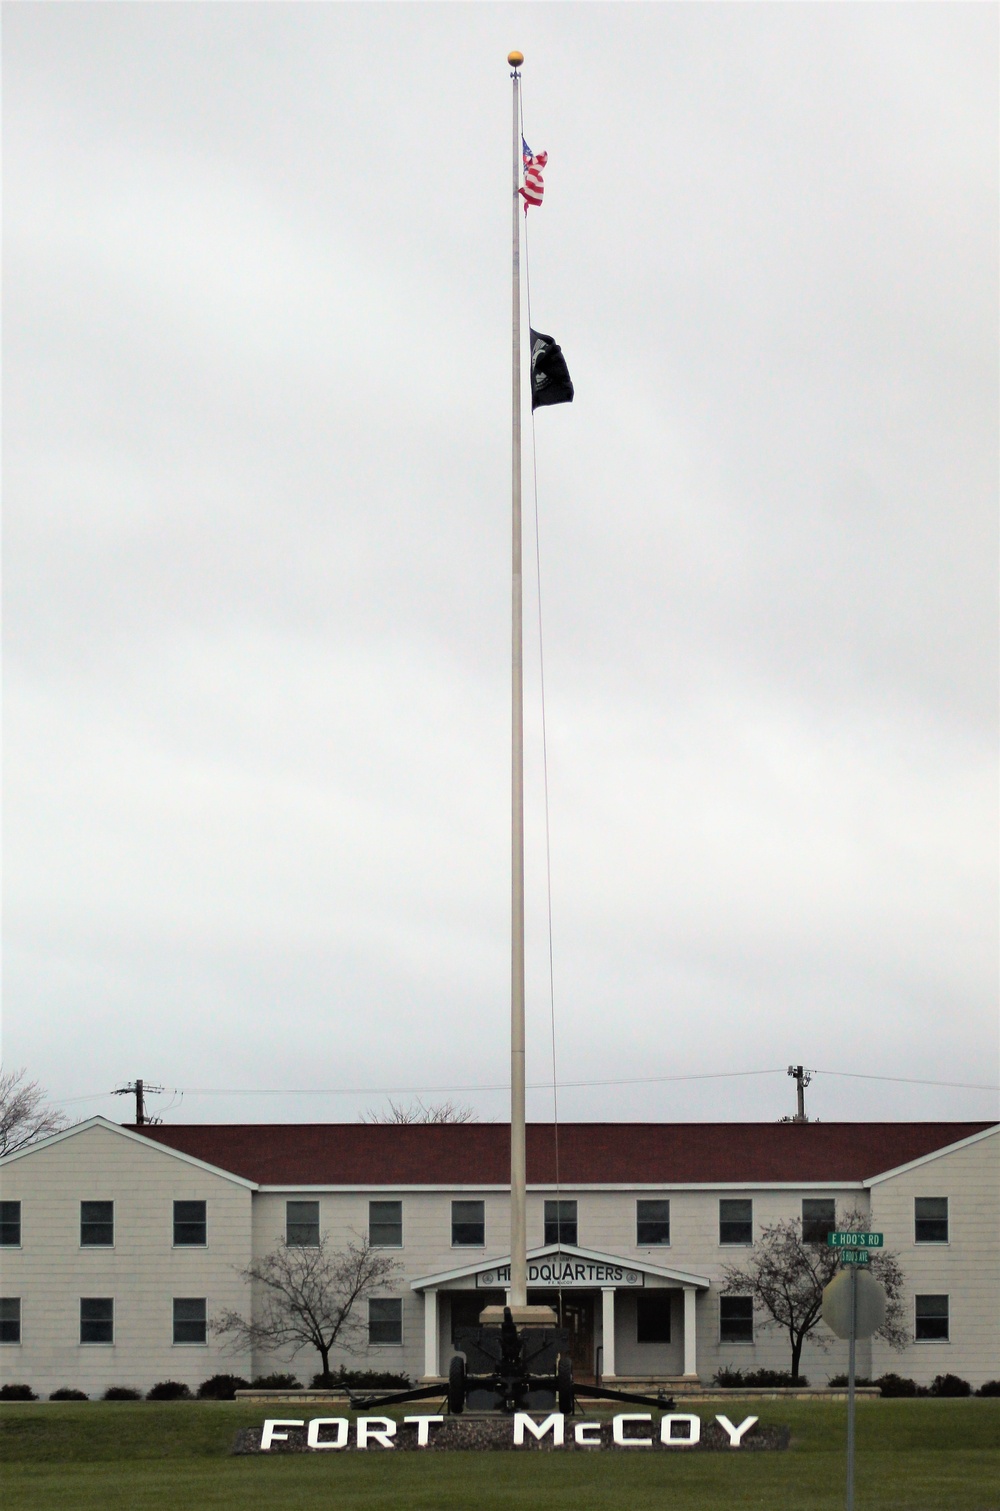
{"type": "Point", "coordinates": [142, 1273]}
{"type": "Point", "coordinates": [966, 1269]}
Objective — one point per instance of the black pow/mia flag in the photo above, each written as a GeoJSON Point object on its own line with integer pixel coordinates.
{"type": "Point", "coordinates": [550, 379]}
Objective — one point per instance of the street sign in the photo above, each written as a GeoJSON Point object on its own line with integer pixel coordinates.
{"type": "Point", "coordinates": [854, 1256]}
{"type": "Point", "coordinates": [869, 1306]}
{"type": "Point", "coordinates": [854, 1306]}
{"type": "Point", "coordinates": [855, 1240]}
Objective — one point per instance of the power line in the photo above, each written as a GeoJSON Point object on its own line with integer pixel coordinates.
{"type": "Point", "coordinates": [859, 1075]}
{"type": "Point", "coordinates": [370, 1091]}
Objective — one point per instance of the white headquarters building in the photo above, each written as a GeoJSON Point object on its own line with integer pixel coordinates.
{"type": "Point", "coordinates": [118, 1245]}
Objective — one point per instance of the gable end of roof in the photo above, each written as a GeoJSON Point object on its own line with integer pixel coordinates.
{"type": "Point", "coordinates": [136, 1138]}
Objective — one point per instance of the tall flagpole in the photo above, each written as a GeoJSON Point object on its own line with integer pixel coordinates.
{"type": "Point", "coordinates": [518, 1171]}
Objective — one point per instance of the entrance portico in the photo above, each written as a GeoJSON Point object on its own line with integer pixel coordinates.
{"type": "Point", "coordinates": [600, 1290]}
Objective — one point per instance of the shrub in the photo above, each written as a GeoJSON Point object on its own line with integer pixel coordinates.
{"type": "Point", "coordinates": [276, 1382]}
{"type": "Point", "coordinates": [360, 1379]}
{"type": "Point", "coordinates": [17, 1393]}
{"type": "Point", "coordinates": [221, 1388]}
{"type": "Point", "coordinates": [950, 1385]}
{"type": "Point", "coordinates": [758, 1379]}
{"type": "Point", "coordinates": [989, 1388]}
{"type": "Point", "coordinates": [121, 1393]}
{"type": "Point", "coordinates": [897, 1385]}
{"type": "Point", "coordinates": [168, 1390]}
{"type": "Point", "coordinates": [66, 1394]}
{"type": "Point", "coordinates": [840, 1382]}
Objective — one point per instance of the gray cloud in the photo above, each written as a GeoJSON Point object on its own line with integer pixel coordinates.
{"type": "Point", "coordinates": [257, 541]}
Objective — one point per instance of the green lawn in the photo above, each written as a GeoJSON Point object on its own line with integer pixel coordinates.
{"type": "Point", "coordinates": [912, 1456]}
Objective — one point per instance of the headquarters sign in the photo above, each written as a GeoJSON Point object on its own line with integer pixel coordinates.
{"type": "Point", "coordinates": [565, 1273]}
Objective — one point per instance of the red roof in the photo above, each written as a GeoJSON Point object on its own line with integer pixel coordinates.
{"type": "Point", "coordinates": [474, 1154]}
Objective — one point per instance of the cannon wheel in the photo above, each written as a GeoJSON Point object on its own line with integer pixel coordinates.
{"type": "Point", "coordinates": [456, 1385]}
{"type": "Point", "coordinates": [564, 1385]}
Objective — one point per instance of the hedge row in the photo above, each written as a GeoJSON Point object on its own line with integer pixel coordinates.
{"type": "Point", "coordinates": [224, 1387]}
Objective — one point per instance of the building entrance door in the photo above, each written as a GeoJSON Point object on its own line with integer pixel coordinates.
{"type": "Point", "coordinates": [578, 1320]}
{"type": "Point", "coordinates": [578, 1317]}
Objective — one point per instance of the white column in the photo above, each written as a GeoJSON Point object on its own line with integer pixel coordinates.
{"type": "Point", "coordinates": [432, 1369]}
{"type": "Point", "coordinates": [608, 1331]}
{"type": "Point", "coordinates": [690, 1332]}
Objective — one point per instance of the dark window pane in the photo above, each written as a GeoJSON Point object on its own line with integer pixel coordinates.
{"type": "Point", "coordinates": [560, 1222]}
{"type": "Point", "coordinates": [10, 1319]}
{"type": "Point", "coordinates": [190, 1224]}
{"type": "Point", "coordinates": [468, 1223]}
{"type": "Point", "coordinates": [97, 1224]}
{"type": "Point", "coordinates": [930, 1219]}
{"type": "Point", "coordinates": [652, 1222]}
{"type": "Point", "coordinates": [652, 1317]}
{"type": "Point", "coordinates": [302, 1224]}
{"type": "Point", "coordinates": [10, 1224]}
{"type": "Point", "coordinates": [385, 1320]}
{"type": "Point", "coordinates": [931, 1319]}
{"type": "Point", "coordinates": [736, 1319]}
{"type": "Point", "coordinates": [819, 1218]}
{"type": "Point", "coordinates": [735, 1220]}
{"type": "Point", "coordinates": [385, 1224]}
{"type": "Point", "coordinates": [190, 1322]}
{"type": "Point", "coordinates": [97, 1319]}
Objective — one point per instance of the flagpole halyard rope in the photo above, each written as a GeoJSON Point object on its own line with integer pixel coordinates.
{"type": "Point", "coordinates": [545, 754]}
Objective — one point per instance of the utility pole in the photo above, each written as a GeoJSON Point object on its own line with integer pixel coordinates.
{"type": "Point", "coordinates": [802, 1077]}
{"type": "Point", "coordinates": [138, 1089]}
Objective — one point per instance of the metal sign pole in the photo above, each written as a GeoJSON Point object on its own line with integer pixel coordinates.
{"type": "Point", "coordinates": [850, 1388]}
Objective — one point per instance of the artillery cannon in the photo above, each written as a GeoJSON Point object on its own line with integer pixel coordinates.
{"type": "Point", "coordinates": [507, 1368]}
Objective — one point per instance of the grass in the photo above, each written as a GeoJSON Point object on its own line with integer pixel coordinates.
{"type": "Point", "coordinates": [912, 1456]}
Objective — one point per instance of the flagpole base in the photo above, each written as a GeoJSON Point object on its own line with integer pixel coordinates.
{"type": "Point", "coordinates": [521, 1316]}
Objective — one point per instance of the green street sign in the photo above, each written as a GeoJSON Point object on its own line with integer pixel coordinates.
{"type": "Point", "coordinates": [854, 1256]}
{"type": "Point", "coordinates": [854, 1240]}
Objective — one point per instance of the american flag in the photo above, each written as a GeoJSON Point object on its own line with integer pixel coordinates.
{"type": "Point", "coordinates": [533, 188]}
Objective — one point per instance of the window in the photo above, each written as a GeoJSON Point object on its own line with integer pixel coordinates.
{"type": "Point", "coordinates": [385, 1224]}
{"type": "Point", "coordinates": [97, 1319]}
{"type": "Point", "coordinates": [652, 1222]}
{"type": "Point", "coordinates": [385, 1320]}
{"type": "Point", "coordinates": [97, 1224]}
{"type": "Point", "coordinates": [931, 1318]}
{"type": "Point", "coordinates": [190, 1224]}
{"type": "Point", "coordinates": [302, 1224]}
{"type": "Point", "coordinates": [736, 1220]}
{"type": "Point", "coordinates": [10, 1224]}
{"type": "Point", "coordinates": [930, 1219]}
{"type": "Point", "coordinates": [468, 1223]}
{"type": "Point", "coordinates": [735, 1319]}
{"type": "Point", "coordinates": [819, 1217]}
{"type": "Point", "coordinates": [560, 1222]}
{"type": "Point", "coordinates": [652, 1317]}
{"type": "Point", "coordinates": [190, 1321]}
{"type": "Point", "coordinates": [10, 1319]}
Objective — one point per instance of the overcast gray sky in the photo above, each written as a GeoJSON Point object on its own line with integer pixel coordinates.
{"type": "Point", "coordinates": [257, 554]}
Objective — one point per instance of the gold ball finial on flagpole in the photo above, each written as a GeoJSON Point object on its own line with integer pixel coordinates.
{"type": "Point", "coordinates": [515, 59]}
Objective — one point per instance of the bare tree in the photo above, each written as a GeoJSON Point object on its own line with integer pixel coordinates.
{"type": "Point", "coordinates": [311, 1298]}
{"type": "Point", "coordinates": [24, 1115]}
{"type": "Point", "coordinates": [786, 1275]}
{"type": "Point", "coordinates": [419, 1112]}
